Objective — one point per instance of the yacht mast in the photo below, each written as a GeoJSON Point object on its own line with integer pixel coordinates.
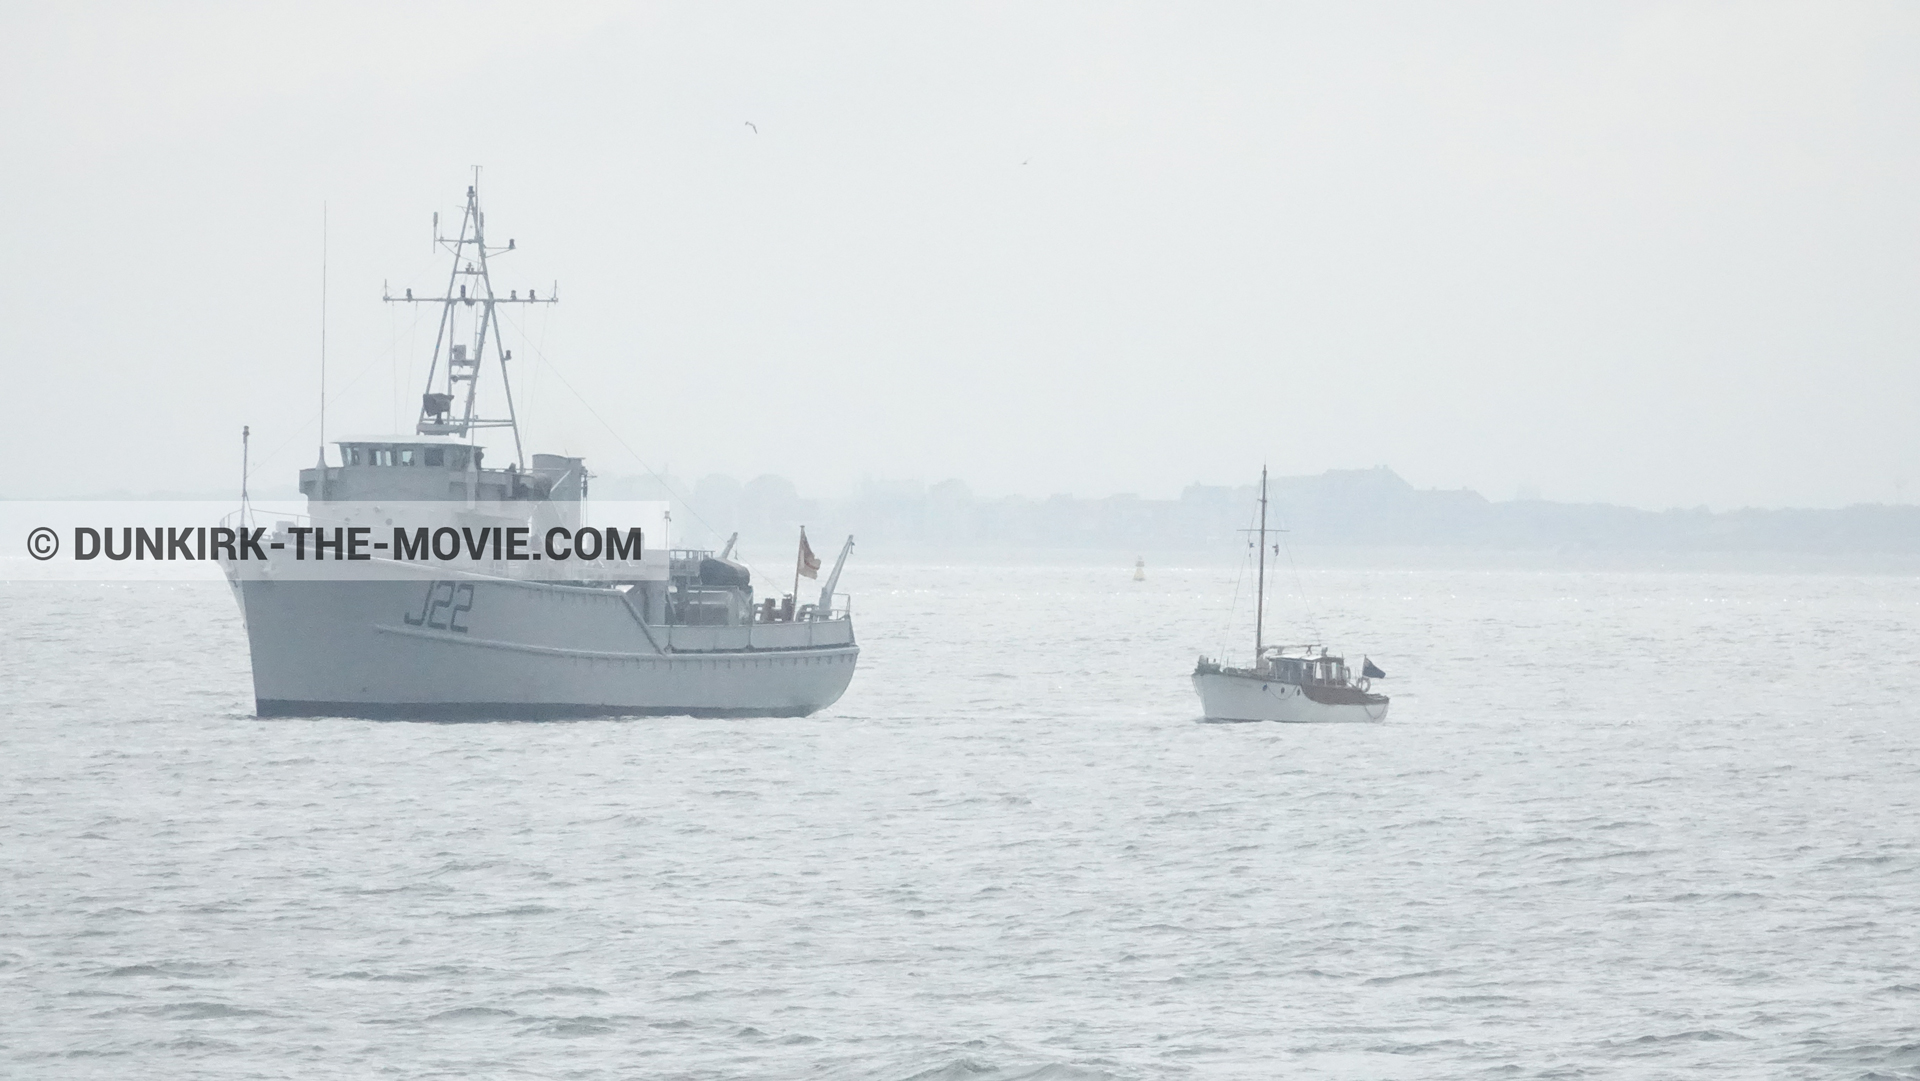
{"type": "Point", "coordinates": [461, 361]}
{"type": "Point", "coordinates": [1260, 602]}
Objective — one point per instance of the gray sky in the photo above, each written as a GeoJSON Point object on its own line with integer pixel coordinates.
{"type": "Point", "coordinates": [1660, 254]}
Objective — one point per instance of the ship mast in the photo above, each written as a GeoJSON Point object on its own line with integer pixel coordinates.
{"type": "Point", "coordinates": [457, 363]}
{"type": "Point", "coordinates": [1260, 597]}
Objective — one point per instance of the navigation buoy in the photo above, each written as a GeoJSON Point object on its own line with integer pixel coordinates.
{"type": "Point", "coordinates": [1139, 569]}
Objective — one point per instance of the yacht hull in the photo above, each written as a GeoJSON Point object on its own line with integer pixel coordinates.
{"type": "Point", "coordinates": [1226, 696]}
{"type": "Point", "coordinates": [475, 647]}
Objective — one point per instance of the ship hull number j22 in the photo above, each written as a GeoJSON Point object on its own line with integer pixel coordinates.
{"type": "Point", "coordinates": [444, 608]}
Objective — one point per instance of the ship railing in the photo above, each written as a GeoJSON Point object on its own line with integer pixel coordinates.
{"type": "Point", "coordinates": [771, 611]}
{"type": "Point", "coordinates": [840, 607]}
{"type": "Point", "coordinates": [685, 562]}
{"type": "Point", "coordinates": [254, 516]}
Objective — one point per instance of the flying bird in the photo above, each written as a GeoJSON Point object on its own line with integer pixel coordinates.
{"type": "Point", "coordinates": [755, 127]}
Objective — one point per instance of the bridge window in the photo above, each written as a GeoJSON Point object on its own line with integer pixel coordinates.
{"type": "Point", "coordinates": [406, 456]}
{"type": "Point", "coordinates": [436, 456]}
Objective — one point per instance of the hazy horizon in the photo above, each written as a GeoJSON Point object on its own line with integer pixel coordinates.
{"type": "Point", "coordinates": [1653, 255]}
{"type": "Point", "coordinates": [695, 487]}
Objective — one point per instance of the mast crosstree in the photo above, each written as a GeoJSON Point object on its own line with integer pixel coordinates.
{"type": "Point", "coordinates": [458, 351]}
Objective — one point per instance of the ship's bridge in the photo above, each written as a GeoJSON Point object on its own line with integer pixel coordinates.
{"type": "Point", "coordinates": [430, 468]}
{"type": "Point", "coordinates": [1299, 664]}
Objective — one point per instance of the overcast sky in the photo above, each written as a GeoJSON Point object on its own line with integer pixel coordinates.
{"type": "Point", "coordinates": [1652, 254]}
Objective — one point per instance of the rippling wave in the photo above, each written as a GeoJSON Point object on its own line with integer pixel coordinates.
{"type": "Point", "coordinates": [1618, 825]}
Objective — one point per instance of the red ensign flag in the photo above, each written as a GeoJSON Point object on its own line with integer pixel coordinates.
{"type": "Point", "coordinates": [809, 564]}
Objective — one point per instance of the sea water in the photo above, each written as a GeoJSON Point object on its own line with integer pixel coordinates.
{"type": "Point", "coordinates": [1617, 824]}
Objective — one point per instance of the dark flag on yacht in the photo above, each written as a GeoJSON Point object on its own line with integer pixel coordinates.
{"type": "Point", "coordinates": [809, 564]}
{"type": "Point", "coordinates": [1371, 670]}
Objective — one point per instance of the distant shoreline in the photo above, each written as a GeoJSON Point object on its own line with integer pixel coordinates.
{"type": "Point", "coordinates": [1361, 510]}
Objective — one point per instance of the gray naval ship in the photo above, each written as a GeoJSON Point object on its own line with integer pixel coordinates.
{"type": "Point", "coordinates": [654, 632]}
